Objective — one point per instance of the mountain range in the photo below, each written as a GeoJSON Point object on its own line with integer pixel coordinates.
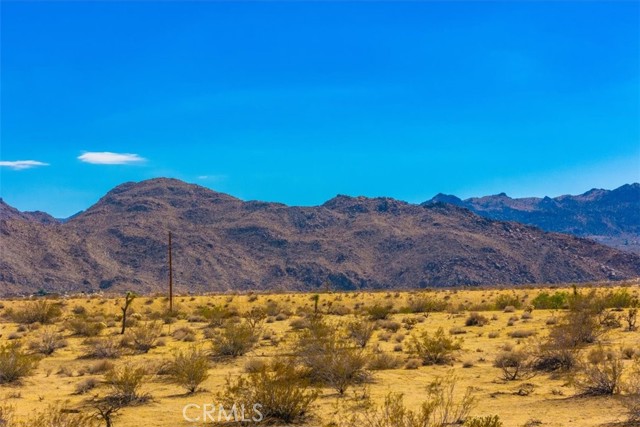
{"type": "Point", "coordinates": [222, 243]}
{"type": "Point", "coordinates": [611, 217]}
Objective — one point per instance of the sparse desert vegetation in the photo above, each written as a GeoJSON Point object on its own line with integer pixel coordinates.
{"type": "Point", "coordinates": [483, 357]}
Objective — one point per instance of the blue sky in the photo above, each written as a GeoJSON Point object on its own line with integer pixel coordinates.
{"type": "Point", "coordinates": [299, 101]}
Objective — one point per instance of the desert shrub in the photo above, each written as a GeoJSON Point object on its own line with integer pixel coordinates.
{"type": "Point", "coordinates": [79, 310]}
{"type": "Point", "coordinates": [457, 330]}
{"type": "Point", "coordinates": [550, 357]}
{"type": "Point", "coordinates": [609, 319]}
{"type": "Point", "coordinates": [505, 300]}
{"type": "Point", "coordinates": [424, 304]}
{"type": "Point", "coordinates": [254, 365]}
{"type": "Point", "coordinates": [15, 363]}
{"type": "Point", "coordinates": [272, 308]}
{"type": "Point", "coordinates": [521, 333]}
{"type": "Point", "coordinates": [339, 310]}
{"type": "Point", "coordinates": [551, 321]}
{"type": "Point", "coordinates": [6, 415]}
{"type": "Point", "coordinates": [440, 408]}
{"type": "Point", "coordinates": [632, 403]}
{"type": "Point", "coordinates": [328, 359]}
{"type": "Point", "coordinates": [618, 299]}
{"type": "Point", "coordinates": [126, 382]}
{"type": "Point", "coordinates": [280, 387]}
{"type": "Point", "coordinates": [576, 329]}
{"type": "Point", "coordinates": [437, 349]}
{"type": "Point", "coordinates": [515, 365]}
{"type": "Point", "coordinates": [86, 385]}
{"type": "Point", "coordinates": [632, 400]}
{"type": "Point", "coordinates": [144, 336]}
{"type": "Point", "coordinates": [58, 416]}
{"type": "Point", "coordinates": [103, 348]}
{"type": "Point", "coordinates": [601, 374]}
{"type": "Point", "coordinates": [41, 311]}
{"type": "Point", "coordinates": [100, 367]}
{"type": "Point", "coordinates": [476, 319]}
{"type": "Point", "coordinates": [342, 367]}
{"type": "Point", "coordinates": [255, 317]}
{"type": "Point", "coordinates": [413, 364]}
{"type": "Point", "coordinates": [389, 325]}
{"type": "Point", "coordinates": [235, 339]}
{"type": "Point", "coordinates": [546, 301]}
{"type": "Point", "coordinates": [299, 323]}
{"type": "Point", "coordinates": [410, 322]}
{"type": "Point", "coordinates": [488, 421]}
{"type": "Point", "coordinates": [384, 336]}
{"type": "Point", "coordinates": [379, 312]}
{"type": "Point", "coordinates": [184, 333]}
{"type": "Point", "coordinates": [81, 326]}
{"type": "Point", "coordinates": [380, 361]}
{"type": "Point", "coordinates": [631, 318]}
{"type": "Point", "coordinates": [629, 352]}
{"type": "Point", "coordinates": [188, 369]}
{"type": "Point", "coordinates": [360, 331]}
{"type": "Point", "coordinates": [47, 341]}
{"type": "Point", "coordinates": [215, 315]}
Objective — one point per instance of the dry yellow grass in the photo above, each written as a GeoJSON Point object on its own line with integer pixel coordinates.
{"type": "Point", "coordinates": [552, 401]}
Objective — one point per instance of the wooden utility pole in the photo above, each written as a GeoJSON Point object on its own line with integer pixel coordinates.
{"type": "Point", "coordinates": [170, 277]}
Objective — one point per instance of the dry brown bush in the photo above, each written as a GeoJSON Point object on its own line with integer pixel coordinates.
{"type": "Point", "coordinates": [360, 331]}
{"type": "Point", "coordinates": [439, 409]}
{"type": "Point", "coordinates": [46, 341]}
{"type": "Point", "coordinates": [58, 416]}
{"type": "Point", "coordinates": [102, 348]}
{"type": "Point", "coordinates": [515, 365]}
{"type": "Point", "coordinates": [601, 374]}
{"type": "Point", "coordinates": [476, 319]}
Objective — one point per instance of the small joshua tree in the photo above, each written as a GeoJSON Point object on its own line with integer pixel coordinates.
{"type": "Point", "coordinates": [128, 299]}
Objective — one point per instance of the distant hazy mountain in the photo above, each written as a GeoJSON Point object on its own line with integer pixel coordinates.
{"type": "Point", "coordinates": [222, 243]}
{"type": "Point", "coordinates": [611, 217]}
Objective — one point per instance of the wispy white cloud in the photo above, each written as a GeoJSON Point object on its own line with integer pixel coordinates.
{"type": "Point", "coordinates": [212, 178]}
{"type": "Point", "coordinates": [109, 158]}
{"type": "Point", "coordinates": [19, 165]}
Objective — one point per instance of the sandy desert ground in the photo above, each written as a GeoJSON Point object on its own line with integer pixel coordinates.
{"type": "Point", "coordinates": [537, 399]}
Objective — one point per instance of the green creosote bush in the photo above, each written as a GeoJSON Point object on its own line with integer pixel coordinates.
{"type": "Point", "coordinates": [435, 349]}
{"type": "Point", "coordinates": [188, 368]}
{"type": "Point", "coordinates": [507, 300]}
{"type": "Point", "coordinates": [41, 311]}
{"type": "Point", "coordinates": [15, 364]}
{"type": "Point", "coordinates": [234, 339]}
{"type": "Point", "coordinates": [280, 387]}
{"type": "Point", "coordinates": [126, 381]}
